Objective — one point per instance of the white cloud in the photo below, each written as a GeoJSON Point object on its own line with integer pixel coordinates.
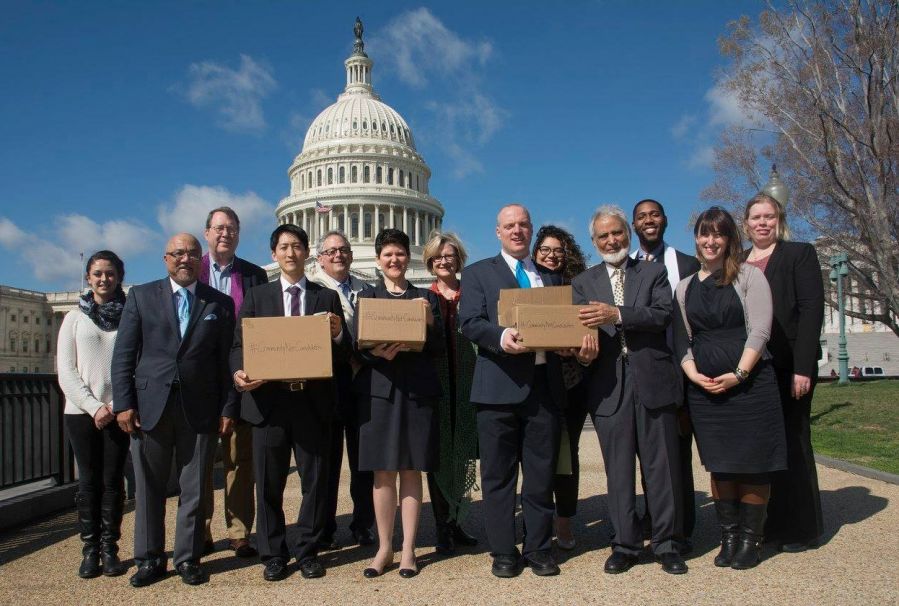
{"type": "Point", "coordinates": [417, 44]}
{"type": "Point", "coordinates": [702, 156]}
{"type": "Point", "coordinates": [67, 237]}
{"type": "Point", "coordinates": [683, 126]}
{"type": "Point", "coordinates": [187, 211]}
{"type": "Point", "coordinates": [425, 54]}
{"type": "Point", "coordinates": [726, 109]}
{"type": "Point", "coordinates": [235, 94]}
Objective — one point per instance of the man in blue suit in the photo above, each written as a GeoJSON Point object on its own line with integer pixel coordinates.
{"type": "Point", "coordinates": [519, 395]}
{"type": "Point", "coordinates": [172, 393]}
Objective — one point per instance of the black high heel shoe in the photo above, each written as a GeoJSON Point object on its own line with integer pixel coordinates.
{"type": "Point", "coordinates": [371, 573]}
{"type": "Point", "coordinates": [408, 573]}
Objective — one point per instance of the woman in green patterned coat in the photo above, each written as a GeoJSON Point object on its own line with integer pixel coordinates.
{"type": "Point", "coordinates": [444, 257]}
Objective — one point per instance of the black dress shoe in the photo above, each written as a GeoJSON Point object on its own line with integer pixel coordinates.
{"type": "Point", "coordinates": [275, 569]}
{"type": "Point", "coordinates": [242, 548]}
{"type": "Point", "coordinates": [673, 563]}
{"type": "Point", "coordinates": [619, 562]}
{"type": "Point", "coordinates": [312, 569]}
{"type": "Point", "coordinates": [327, 544]}
{"type": "Point", "coordinates": [463, 538]}
{"type": "Point", "coordinates": [445, 545]}
{"type": "Point", "coordinates": [191, 573]}
{"type": "Point", "coordinates": [542, 564]}
{"type": "Point", "coordinates": [364, 536]}
{"type": "Point", "coordinates": [506, 566]}
{"type": "Point", "coordinates": [147, 573]}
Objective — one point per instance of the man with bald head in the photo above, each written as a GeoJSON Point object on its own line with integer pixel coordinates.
{"type": "Point", "coordinates": [519, 395]}
{"type": "Point", "coordinates": [172, 393]}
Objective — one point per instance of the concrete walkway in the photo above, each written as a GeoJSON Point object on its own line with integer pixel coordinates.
{"type": "Point", "coordinates": [858, 562]}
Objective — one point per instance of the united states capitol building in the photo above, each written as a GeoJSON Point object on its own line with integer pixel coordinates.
{"type": "Point", "coordinates": [359, 171]}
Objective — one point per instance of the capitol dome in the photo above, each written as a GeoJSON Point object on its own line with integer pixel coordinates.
{"type": "Point", "coordinates": [359, 172]}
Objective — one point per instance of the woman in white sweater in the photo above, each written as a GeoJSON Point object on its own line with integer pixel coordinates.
{"type": "Point", "coordinates": [84, 356]}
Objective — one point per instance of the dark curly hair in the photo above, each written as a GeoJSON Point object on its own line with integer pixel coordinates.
{"type": "Point", "coordinates": [389, 235]}
{"type": "Point", "coordinates": [575, 262]}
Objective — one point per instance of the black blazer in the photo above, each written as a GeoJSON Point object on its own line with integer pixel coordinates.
{"type": "Point", "coordinates": [412, 373]}
{"type": "Point", "coordinates": [645, 316]}
{"type": "Point", "coordinates": [266, 301]}
{"type": "Point", "coordinates": [150, 356]}
{"type": "Point", "coordinates": [797, 288]}
{"type": "Point", "coordinates": [499, 377]}
{"type": "Point", "coordinates": [253, 275]}
{"type": "Point", "coordinates": [687, 265]}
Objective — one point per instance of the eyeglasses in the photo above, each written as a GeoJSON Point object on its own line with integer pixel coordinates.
{"type": "Point", "coordinates": [546, 251]}
{"type": "Point", "coordinates": [332, 252]}
{"type": "Point", "coordinates": [223, 229]}
{"type": "Point", "coordinates": [193, 255]}
{"type": "Point", "coordinates": [444, 258]}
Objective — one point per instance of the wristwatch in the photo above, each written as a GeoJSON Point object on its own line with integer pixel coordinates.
{"type": "Point", "coordinates": [741, 374]}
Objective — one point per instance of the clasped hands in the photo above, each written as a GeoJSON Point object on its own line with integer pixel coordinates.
{"type": "Point", "coordinates": [714, 385]}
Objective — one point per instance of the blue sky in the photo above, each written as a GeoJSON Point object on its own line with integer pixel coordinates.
{"type": "Point", "coordinates": [122, 122]}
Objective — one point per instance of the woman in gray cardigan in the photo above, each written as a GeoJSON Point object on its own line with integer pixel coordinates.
{"type": "Point", "coordinates": [720, 332]}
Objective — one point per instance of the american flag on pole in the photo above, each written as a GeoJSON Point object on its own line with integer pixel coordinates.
{"type": "Point", "coordinates": [321, 208]}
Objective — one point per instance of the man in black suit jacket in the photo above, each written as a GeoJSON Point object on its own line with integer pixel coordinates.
{"type": "Point", "coordinates": [519, 395]}
{"type": "Point", "coordinates": [290, 416]}
{"type": "Point", "coordinates": [650, 224]}
{"type": "Point", "coordinates": [172, 392]}
{"type": "Point", "coordinates": [634, 390]}
{"type": "Point", "coordinates": [222, 269]}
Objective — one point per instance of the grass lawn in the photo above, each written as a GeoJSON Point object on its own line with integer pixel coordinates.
{"type": "Point", "coordinates": [858, 423]}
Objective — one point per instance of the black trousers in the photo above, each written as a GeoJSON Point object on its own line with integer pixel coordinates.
{"type": "Point", "coordinates": [100, 454]}
{"type": "Point", "coordinates": [302, 427]}
{"type": "Point", "coordinates": [631, 430]}
{"type": "Point", "coordinates": [565, 487]}
{"type": "Point", "coordinates": [794, 511]}
{"type": "Point", "coordinates": [525, 434]}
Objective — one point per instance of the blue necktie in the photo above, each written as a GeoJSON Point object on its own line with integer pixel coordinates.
{"type": "Point", "coordinates": [347, 294]}
{"type": "Point", "coordinates": [522, 276]}
{"type": "Point", "coordinates": [183, 310]}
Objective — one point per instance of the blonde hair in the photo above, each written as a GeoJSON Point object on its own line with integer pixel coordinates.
{"type": "Point", "coordinates": [432, 249]}
{"type": "Point", "coordinates": [783, 229]}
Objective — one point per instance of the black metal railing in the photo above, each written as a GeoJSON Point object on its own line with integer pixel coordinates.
{"type": "Point", "coordinates": [33, 445]}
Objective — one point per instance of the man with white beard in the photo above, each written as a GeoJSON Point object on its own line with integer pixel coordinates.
{"type": "Point", "coordinates": [632, 391]}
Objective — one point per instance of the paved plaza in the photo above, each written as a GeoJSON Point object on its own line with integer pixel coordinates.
{"type": "Point", "coordinates": [858, 562]}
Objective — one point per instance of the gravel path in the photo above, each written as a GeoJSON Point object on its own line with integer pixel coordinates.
{"type": "Point", "coordinates": [858, 562]}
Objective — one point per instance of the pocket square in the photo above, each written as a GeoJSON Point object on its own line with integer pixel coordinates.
{"type": "Point", "coordinates": [211, 317]}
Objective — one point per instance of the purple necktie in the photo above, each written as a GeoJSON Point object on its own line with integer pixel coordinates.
{"type": "Point", "coordinates": [294, 299]}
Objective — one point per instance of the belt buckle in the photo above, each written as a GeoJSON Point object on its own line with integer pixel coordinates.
{"type": "Point", "coordinates": [296, 386]}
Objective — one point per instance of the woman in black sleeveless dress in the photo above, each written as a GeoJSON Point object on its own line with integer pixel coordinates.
{"type": "Point", "coordinates": [397, 393]}
{"type": "Point", "coordinates": [722, 326]}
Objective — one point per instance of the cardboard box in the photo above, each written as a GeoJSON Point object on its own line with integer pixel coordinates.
{"type": "Point", "coordinates": [286, 348]}
{"type": "Point", "coordinates": [547, 295]}
{"type": "Point", "coordinates": [550, 326]}
{"type": "Point", "coordinates": [391, 321]}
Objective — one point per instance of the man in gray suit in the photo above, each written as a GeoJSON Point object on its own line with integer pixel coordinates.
{"type": "Point", "coordinates": [172, 393]}
{"type": "Point", "coordinates": [632, 389]}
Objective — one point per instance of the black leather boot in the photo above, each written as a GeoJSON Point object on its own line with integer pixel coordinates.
{"type": "Point", "coordinates": [729, 519]}
{"type": "Point", "coordinates": [752, 527]}
{"type": "Point", "coordinates": [111, 508]}
{"type": "Point", "coordinates": [89, 530]}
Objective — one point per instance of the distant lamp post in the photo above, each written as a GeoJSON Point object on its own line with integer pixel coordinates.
{"type": "Point", "coordinates": [776, 188]}
{"type": "Point", "coordinates": [839, 269]}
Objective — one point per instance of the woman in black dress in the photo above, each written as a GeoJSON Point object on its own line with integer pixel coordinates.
{"type": "Point", "coordinates": [794, 513]}
{"type": "Point", "coordinates": [721, 331]}
{"type": "Point", "coordinates": [557, 251]}
{"type": "Point", "coordinates": [398, 390]}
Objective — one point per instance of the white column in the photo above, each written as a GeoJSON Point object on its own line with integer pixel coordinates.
{"type": "Point", "coordinates": [346, 221]}
{"type": "Point", "coordinates": [392, 223]}
{"type": "Point", "coordinates": [361, 222]}
{"type": "Point", "coordinates": [417, 227]}
{"type": "Point", "coordinates": [376, 220]}
{"type": "Point", "coordinates": [406, 220]}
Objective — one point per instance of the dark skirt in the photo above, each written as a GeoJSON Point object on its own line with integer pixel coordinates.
{"type": "Point", "coordinates": [741, 430]}
{"type": "Point", "coordinates": [398, 434]}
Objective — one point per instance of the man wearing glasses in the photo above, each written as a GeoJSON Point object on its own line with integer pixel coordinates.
{"type": "Point", "coordinates": [335, 257]}
{"type": "Point", "coordinates": [223, 270]}
{"type": "Point", "coordinates": [172, 393]}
